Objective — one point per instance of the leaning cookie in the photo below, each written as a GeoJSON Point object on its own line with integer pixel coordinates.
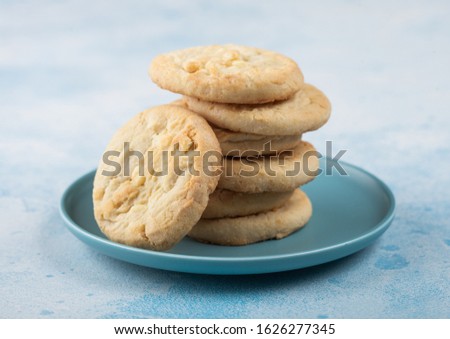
{"type": "Point", "coordinates": [224, 203]}
{"type": "Point", "coordinates": [278, 173]}
{"type": "Point", "coordinates": [155, 191]}
{"type": "Point", "coordinates": [306, 110]}
{"type": "Point", "coordinates": [238, 144]}
{"type": "Point", "coordinates": [275, 224]}
{"type": "Point", "coordinates": [227, 74]}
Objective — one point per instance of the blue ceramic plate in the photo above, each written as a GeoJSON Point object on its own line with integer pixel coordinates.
{"type": "Point", "coordinates": [350, 212]}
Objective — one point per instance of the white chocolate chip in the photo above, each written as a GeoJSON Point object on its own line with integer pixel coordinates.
{"type": "Point", "coordinates": [191, 66]}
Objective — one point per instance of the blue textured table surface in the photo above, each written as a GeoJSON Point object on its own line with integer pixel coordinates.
{"type": "Point", "coordinates": [72, 72]}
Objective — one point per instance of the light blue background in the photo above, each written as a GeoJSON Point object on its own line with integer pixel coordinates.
{"type": "Point", "coordinates": [72, 72]}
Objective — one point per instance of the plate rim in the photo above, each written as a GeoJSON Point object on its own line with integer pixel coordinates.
{"type": "Point", "coordinates": [370, 236]}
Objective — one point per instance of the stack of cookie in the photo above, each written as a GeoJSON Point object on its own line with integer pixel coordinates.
{"type": "Point", "coordinates": [222, 165]}
{"type": "Point", "coordinates": [258, 107]}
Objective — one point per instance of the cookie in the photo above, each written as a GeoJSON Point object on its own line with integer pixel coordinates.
{"type": "Point", "coordinates": [224, 203]}
{"type": "Point", "coordinates": [275, 224]}
{"type": "Point", "coordinates": [152, 200]}
{"type": "Point", "coordinates": [306, 110]}
{"type": "Point", "coordinates": [277, 173]}
{"type": "Point", "coordinates": [239, 144]}
{"type": "Point", "coordinates": [227, 74]}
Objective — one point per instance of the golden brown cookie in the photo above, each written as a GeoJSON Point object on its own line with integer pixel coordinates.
{"type": "Point", "coordinates": [227, 74]}
{"type": "Point", "coordinates": [224, 203]}
{"type": "Point", "coordinates": [278, 173]}
{"type": "Point", "coordinates": [275, 224]}
{"type": "Point", "coordinates": [152, 200]}
{"type": "Point", "coordinates": [239, 144]}
{"type": "Point", "coordinates": [306, 110]}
